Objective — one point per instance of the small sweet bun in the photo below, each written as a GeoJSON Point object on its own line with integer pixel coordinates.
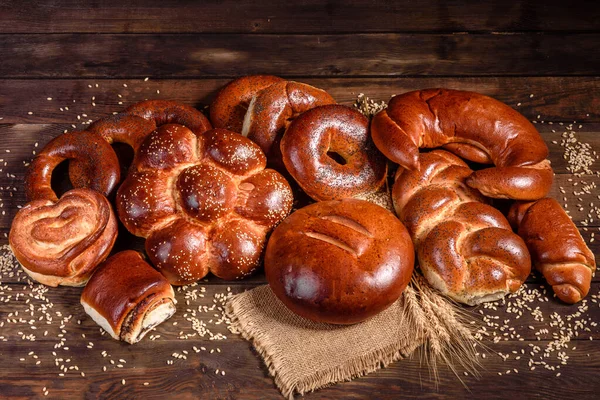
{"type": "Point", "coordinates": [339, 261]}
{"type": "Point", "coordinates": [473, 126]}
{"type": "Point", "coordinates": [99, 165]}
{"type": "Point", "coordinates": [204, 202]}
{"type": "Point", "coordinates": [127, 297]}
{"type": "Point", "coordinates": [557, 249]}
{"type": "Point", "coordinates": [228, 109]}
{"type": "Point", "coordinates": [329, 152]}
{"type": "Point", "coordinates": [465, 247]}
{"type": "Point", "coordinates": [273, 108]}
{"type": "Point", "coordinates": [61, 242]}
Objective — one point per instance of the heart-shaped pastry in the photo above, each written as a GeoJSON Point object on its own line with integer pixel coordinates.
{"type": "Point", "coordinates": [60, 243]}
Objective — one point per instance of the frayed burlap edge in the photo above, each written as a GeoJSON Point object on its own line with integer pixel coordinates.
{"type": "Point", "coordinates": [289, 384]}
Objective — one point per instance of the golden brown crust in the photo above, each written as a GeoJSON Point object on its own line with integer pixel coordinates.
{"type": "Point", "coordinates": [517, 212]}
{"type": "Point", "coordinates": [557, 249]}
{"type": "Point", "coordinates": [525, 183]}
{"type": "Point", "coordinates": [315, 137]}
{"type": "Point", "coordinates": [474, 126]}
{"type": "Point", "coordinates": [177, 250]}
{"type": "Point", "coordinates": [122, 285]}
{"type": "Point", "coordinates": [61, 243]}
{"type": "Point", "coordinates": [139, 120]}
{"type": "Point", "coordinates": [228, 109]}
{"type": "Point", "coordinates": [272, 110]}
{"type": "Point", "coordinates": [339, 261]}
{"type": "Point", "coordinates": [163, 112]}
{"type": "Point", "coordinates": [99, 166]}
{"type": "Point", "coordinates": [123, 128]}
{"type": "Point", "coordinates": [465, 248]}
{"type": "Point", "coordinates": [204, 202]}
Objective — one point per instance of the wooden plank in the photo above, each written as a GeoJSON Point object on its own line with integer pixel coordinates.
{"type": "Point", "coordinates": [226, 55]}
{"type": "Point", "coordinates": [245, 372]}
{"type": "Point", "coordinates": [65, 301]}
{"type": "Point", "coordinates": [554, 98]}
{"type": "Point", "coordinates": [246, 377]}
{"type": "Point", "coordinates": [306, 16]}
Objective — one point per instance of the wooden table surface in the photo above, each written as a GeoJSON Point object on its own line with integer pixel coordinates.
{"type": "Point", "coordinates": [64, 63]}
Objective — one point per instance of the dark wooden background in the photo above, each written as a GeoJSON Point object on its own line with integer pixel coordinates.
{"type": "Point", "coordinates": [91, 58]}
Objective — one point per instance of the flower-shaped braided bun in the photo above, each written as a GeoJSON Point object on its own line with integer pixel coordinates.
{"type": "Point", "coordinates": [205, 202]}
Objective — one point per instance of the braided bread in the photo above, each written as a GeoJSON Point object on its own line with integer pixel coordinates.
{"type": "Point", "coordinates": [465, 247]}
{"type": "Point", "coordinates": [473, 126]}
{"type": "Point", "coordinates": [557, 249]}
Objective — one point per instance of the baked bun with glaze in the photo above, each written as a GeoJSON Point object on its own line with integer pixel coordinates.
{"type": "Point", "coordinates": [557, 249]}
{"type": "Point", "coordinates": [204, 202]}
{"type": "Point", "coordinates": [98, 165]}
{"type": "Point", "coordinates": [328, 150]}
{"type": "Point", "coordinates": [266, 106]}
{"type": "Point", "coordinates": [228, 109]}
{"type": "Point", "coordinates": [133, 125]}
{"type": "Point", "coordinates": [473, 126]}
{"type": "Point", "coordinates": [127, 297]}
{"type": "Point", "coordinates": [339, 261]}
{"type": "Point", "coordinates": [61, 242]}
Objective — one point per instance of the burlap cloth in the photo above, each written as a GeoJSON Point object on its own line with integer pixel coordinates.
{"type": "Point", "coordinates": [303, 356]}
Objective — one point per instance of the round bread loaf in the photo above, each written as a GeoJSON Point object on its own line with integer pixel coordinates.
{"type": "Point", "coordinates": [339, 261]}
{"type": "Point", "coordinates": [205, 202]}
